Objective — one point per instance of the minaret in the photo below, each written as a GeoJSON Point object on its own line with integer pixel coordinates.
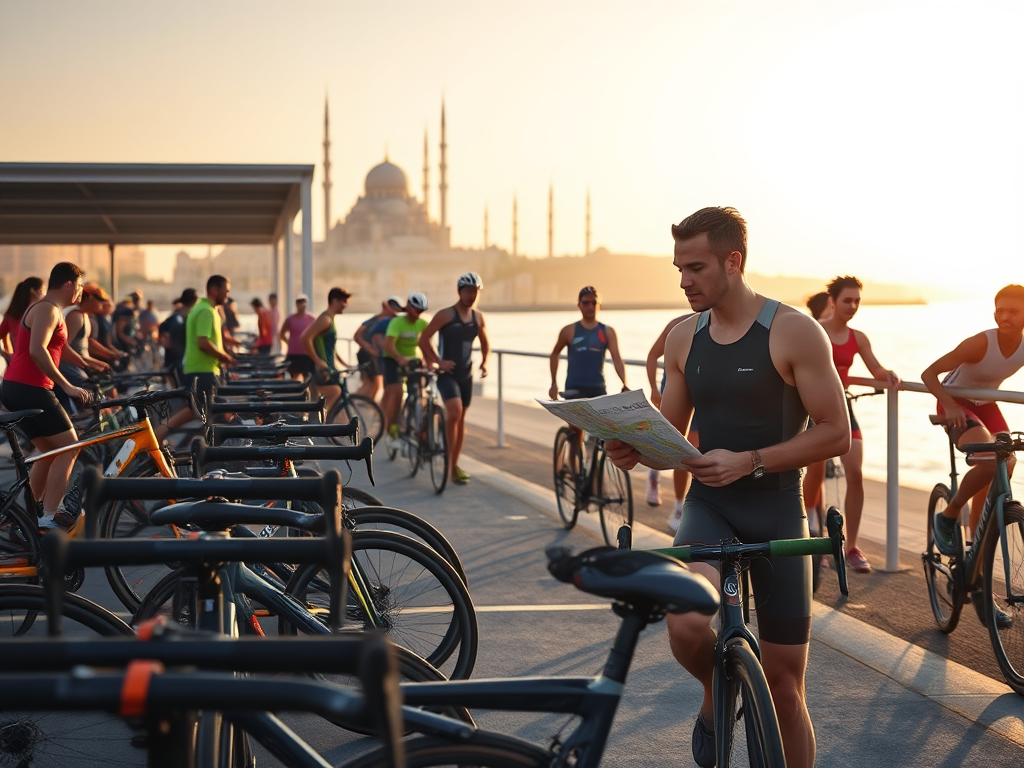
{"type": "Point", "coordinates": [587, 251]}
{"type": "Point", "coordinates": [426, 176]}
{"type": "Point", "coordinates": [444, 177]}
{"type": "Point", "coordinates": [515, 226]}
{"type": "Point", "coordinates": [485, 227]}
{"type": "Point", "coordinates": [327, 172]}
{"type": "Point", "coordinates": [551, 220]}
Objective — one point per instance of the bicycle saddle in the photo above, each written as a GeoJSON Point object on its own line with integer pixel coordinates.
{"type": "Point", "coordinates": [634, 577]}
{"type": "Point", "coordinates": [214, 515]}
{"type": "Point", "coordinates": [14, 417]}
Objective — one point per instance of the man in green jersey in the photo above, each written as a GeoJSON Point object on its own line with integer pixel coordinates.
{"type": "Point", "coordinates": [204, 343]}
{"type": "Point", "coordinates": [401, 344]}
{"type": "Point", "coordinates": [319, 341]}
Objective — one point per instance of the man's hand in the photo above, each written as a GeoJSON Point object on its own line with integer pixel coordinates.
{"type": "Point", "coordinates": [446, 365]}
{"type": "Point", "coordinates": [623, 455]}
{"type": "Point", "coordinates": [656, 398]}
{"type": "Point", "coordinates": [719, 467]}
{"type": "Point", "coordinates": [82, 396]}
{"type": "Point", "coordinates": [483, 370]}
{"type": "Point", "coordinates": [553, 392]}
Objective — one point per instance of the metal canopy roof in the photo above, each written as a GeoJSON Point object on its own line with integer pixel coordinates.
{"type": "Point", "coordinates": [148, 204]}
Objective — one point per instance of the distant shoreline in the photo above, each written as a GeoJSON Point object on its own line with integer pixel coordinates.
{"type": "Point", "coordinates": [681, 307]}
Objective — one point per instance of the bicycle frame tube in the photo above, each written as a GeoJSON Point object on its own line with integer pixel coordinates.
{"type": "Point", "coordinates": [148, 443]}
{"type": "Point", "coordinates": [730, 612]}
{"type": "Point", "coordinates": [998, 494]}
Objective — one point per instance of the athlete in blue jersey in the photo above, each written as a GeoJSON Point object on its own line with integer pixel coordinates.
{"type": "Point", "coordinates": [587, 341]}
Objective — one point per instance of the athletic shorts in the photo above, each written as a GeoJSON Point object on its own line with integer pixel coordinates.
{"type": "Point", "coordinates": [392, 374]}
{"type": "Point", "coordinates": [782, 585]}
{"type": "Point", "coordinates": [451, 386]}
{"type": "Point", "coordinates": [21, 397]}
{"type": "Point", "coordinates": [205, 385]}
{"type": "Point", "coordinates": [370, 361]}
{"type": "Point", "coordinates": [985, 415]}
{"type": "Point", "coordinates": [580, 393]}
{"type": "Point", "coordinates": [301, 365]}
{"type": "Point", "coordinates": [855, 432]}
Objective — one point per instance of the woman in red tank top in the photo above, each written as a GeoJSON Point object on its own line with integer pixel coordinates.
{"type": "Point", "coordinates": [844, 294]}
{"type": "Point", "coordinates": [29, 382]}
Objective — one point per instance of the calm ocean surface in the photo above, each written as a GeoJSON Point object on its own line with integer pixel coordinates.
{"type": "Point", "coordinates": [904, 338]}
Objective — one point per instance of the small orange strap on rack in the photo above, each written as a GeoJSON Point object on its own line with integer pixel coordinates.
{"type": "Point", "coordinates": [194, 535]}
{"type": "Point", "coordinates": [135, 689]}
{"type": "Point", "coordinates": [149, 627]}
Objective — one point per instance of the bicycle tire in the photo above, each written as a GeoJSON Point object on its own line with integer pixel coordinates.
{"type": "Point", "coordinates": [567, 473]}
{"type": "Point", "coordinates": [437, 447]}
{"type": "Point", "coordinates": [130, 519]}
{"type": "Point", "coordinates": [366, 411]}
{"type": "Point", "coordinates": [1007, 640]}
{"type": "Point", "coordinates": [20, 598]}
{"type": "Point", "coordinates": [412, 436]}
{"type": "Point", "coordinates": [20, 540]}
{"type": "Point", "coordinates": [354, 498]}
{"type": "Point", "coordinates": [615, 492]}
{"type": "Point", "coordinates": [484, 750]}
{"type": "Point", "coordinates": [406, 580]}
{"type": "Point", "coordinates": [740, 682]}
{"type": "Point", "coordinates": [945, 594]}
{"type": "Point", "coordinates": [408, 524]}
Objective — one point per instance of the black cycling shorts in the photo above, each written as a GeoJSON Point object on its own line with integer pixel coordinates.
{"type": "Point", "coordinates": [451, 386]}
{"type": "Point", "coordinates": [580, 393]}
{"type": "Point", "coordinates": [392, 374]}
{"type": "Point", "coordinates": [301, 365]}
{"type": "Point", "coordinates": [21, 397]}
{"type": "Point", "coordinates": [782, 585]}
{"type": "Point", "coordinates": [206, 383]}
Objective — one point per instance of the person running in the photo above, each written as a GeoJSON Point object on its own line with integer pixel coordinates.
{"type": "Point", "coordinates": [754, 369]}
{"type": "Point", "coordinates": [25, 294]}
{"type": "Point", "coordinates": [173, 334]}
{"type": "Point", "coordinates": [319, 341]}
{"type": "Point", "coordinates": [401, 346]}
{"type": "Point", "coordinates": [29, 383]}
{"type": "Point", "coordinates": [982, 361]}
{"type": "Point", "coordinates": [680, 477]}
{"type": "Point", "coordinates": [264, 328]}
{"type": "Point", "coordinates": [76, 319]}
{"type": "Point", "coordinates": [204, 344]}
{"type": "Point", "coordinates": [300, 364]}
{"type": "Point", "coordinates": [844, 294]}
{"type": "Point", "coordinates": [587, 340]}
{"type": "Point", "coordinates": [459, 326]}
{"type": "Point", "coordinates": [369, 337]}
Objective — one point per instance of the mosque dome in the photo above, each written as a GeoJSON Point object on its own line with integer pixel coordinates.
{"type": "Point", "coordinates": [386, 180]}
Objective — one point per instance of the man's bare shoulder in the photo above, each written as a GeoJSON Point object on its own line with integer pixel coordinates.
{"type": "Point", "coordinates": [792, 320]}
{"type": "Point", "coordinates": [684, 328]}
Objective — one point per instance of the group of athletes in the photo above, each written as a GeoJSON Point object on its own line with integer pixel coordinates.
{"type": "Point", "coordinates": [757, 371]}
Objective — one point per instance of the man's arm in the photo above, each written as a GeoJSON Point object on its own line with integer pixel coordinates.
{"type": "Point", "coordinates": [207, 346]}
{"type": "Point", "coordinates": [613, 350]}
{"type": "Point", "coordinates": [560, 344]}
{"type": "Point", "coordinates": [877, 370]}
{"type": "Point", "coordinates": [430, 356]}
{"type": "Point", "coordinates": [970, 350]}
{"type": "Point", "coordinates": [392, 349]}
{"type": "Point", "coordinates": [119, 327]}
{"type": "Point", "coordinates": [485, 346]}
{"type": "Point", "coordinates": [657, 350]}
{"type": "Point", "coordinates": [44, 322]}
{"type": "Point", "coordinates": [364, 344]}
{"type": "Point", "coordinates": [285, 331]}
{"type": "Point", "coordinates": [318, 327]}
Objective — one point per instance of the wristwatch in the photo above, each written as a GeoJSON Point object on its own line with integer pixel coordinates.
{"type": "Point", "coordinates": [755, 458]}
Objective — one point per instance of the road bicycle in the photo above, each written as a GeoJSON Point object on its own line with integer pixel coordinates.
{"type": "Point", "coordinates": [990, 571]}
{"type": "Point", "coordinates": [740, 689]}
{"type": "Point", "coordinates": [422, 428]}
{"type": "Point", "coordinates": [584, 482]}
{"type": "Point", "coordinates": [353, 405]}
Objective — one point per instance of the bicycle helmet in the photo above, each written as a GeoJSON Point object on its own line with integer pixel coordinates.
{"type": "Point", "coordinates": [470, 280]}
{"type": "Point", "coordinates": [418, 301]}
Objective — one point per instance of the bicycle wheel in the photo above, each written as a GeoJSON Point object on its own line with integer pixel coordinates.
{"type": "Point", "coordinates": [369, 414]}
{"type": "Point", "coordinates": [744, 693]}
{"type": "Point", "coordinates": [567, 473]}
{"type": "Point", "coordinates": [484, 750]}
{"type": "Point", "coordinates": [944, 592]}
{"type": "Point", "coordinates": [131, 519]}
{"type": "Point", "coordinates": [353, 498]}
{"type": "Point", "coordinates": [1007, 630]}
{"type": "Point", "coordinates": [381, 518]}
{"type": "Point", "coordinates": [616, 495]}
{"type": "Point", "coordinates": [406, 589]}
{"type": "Point", "coordinates": [41, 739]}
{"type": "Point", "coordinates": [413, 435]}
{"type": "Point", "coordinates": [437, 447]}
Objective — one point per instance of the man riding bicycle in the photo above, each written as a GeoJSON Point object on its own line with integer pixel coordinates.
{"type": "Point", "coordinates": [587, 340]}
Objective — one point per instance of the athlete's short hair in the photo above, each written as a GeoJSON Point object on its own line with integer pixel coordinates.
{"type": "Point", "coordinates": [817, 304]}
{"type": "Point", "coordinates": [63, 273]}
{"type": "Point", "coordinates": [337, 294]}
{"type": "Point", "coordinates": [725, 228]}
{"type": "Point", "coordinates": [1013, 291]}
{"type": "Point", "coordinates": [840, 284]}
{"type": "Point", "coordinates": [216, 282]}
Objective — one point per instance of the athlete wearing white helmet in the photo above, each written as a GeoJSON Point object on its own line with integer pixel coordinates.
{"type": "Point", "coordinates": [459, 326]}
{"type": "Point", "coordinates": [400, 347]}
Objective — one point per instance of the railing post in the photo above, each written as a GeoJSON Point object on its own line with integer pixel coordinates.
{"type": "Point", "coordinates": [892, 482]}
{"type": "Point", "coordinates": [501, 404]}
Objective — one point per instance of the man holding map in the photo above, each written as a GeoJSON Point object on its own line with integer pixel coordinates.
{"type": "Point", "coordinates": [754, 369]}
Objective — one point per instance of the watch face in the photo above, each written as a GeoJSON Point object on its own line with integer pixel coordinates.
{"type": "Point", "coordinates": [758, 473]}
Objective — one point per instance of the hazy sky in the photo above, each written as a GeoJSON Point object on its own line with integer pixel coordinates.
{"type": "Point", "coordinates": [881, 138]}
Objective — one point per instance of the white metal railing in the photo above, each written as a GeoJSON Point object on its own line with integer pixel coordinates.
{"type": "Point", "coordinates": [892, 490]}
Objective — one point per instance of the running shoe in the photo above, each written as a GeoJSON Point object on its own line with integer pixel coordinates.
{"type": "Point", "coordinates": [653, 488]}
{"type": "Point", "coordinates": [460, 476]}
{"type": "Point", "coordinates": [675, 516]}
{"type": "Point", "coordinates": [703, 744]}
{"type": "Point", "coordinates": [943, 530]}
{"type": "Point", "coordinates": [856, 560]}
